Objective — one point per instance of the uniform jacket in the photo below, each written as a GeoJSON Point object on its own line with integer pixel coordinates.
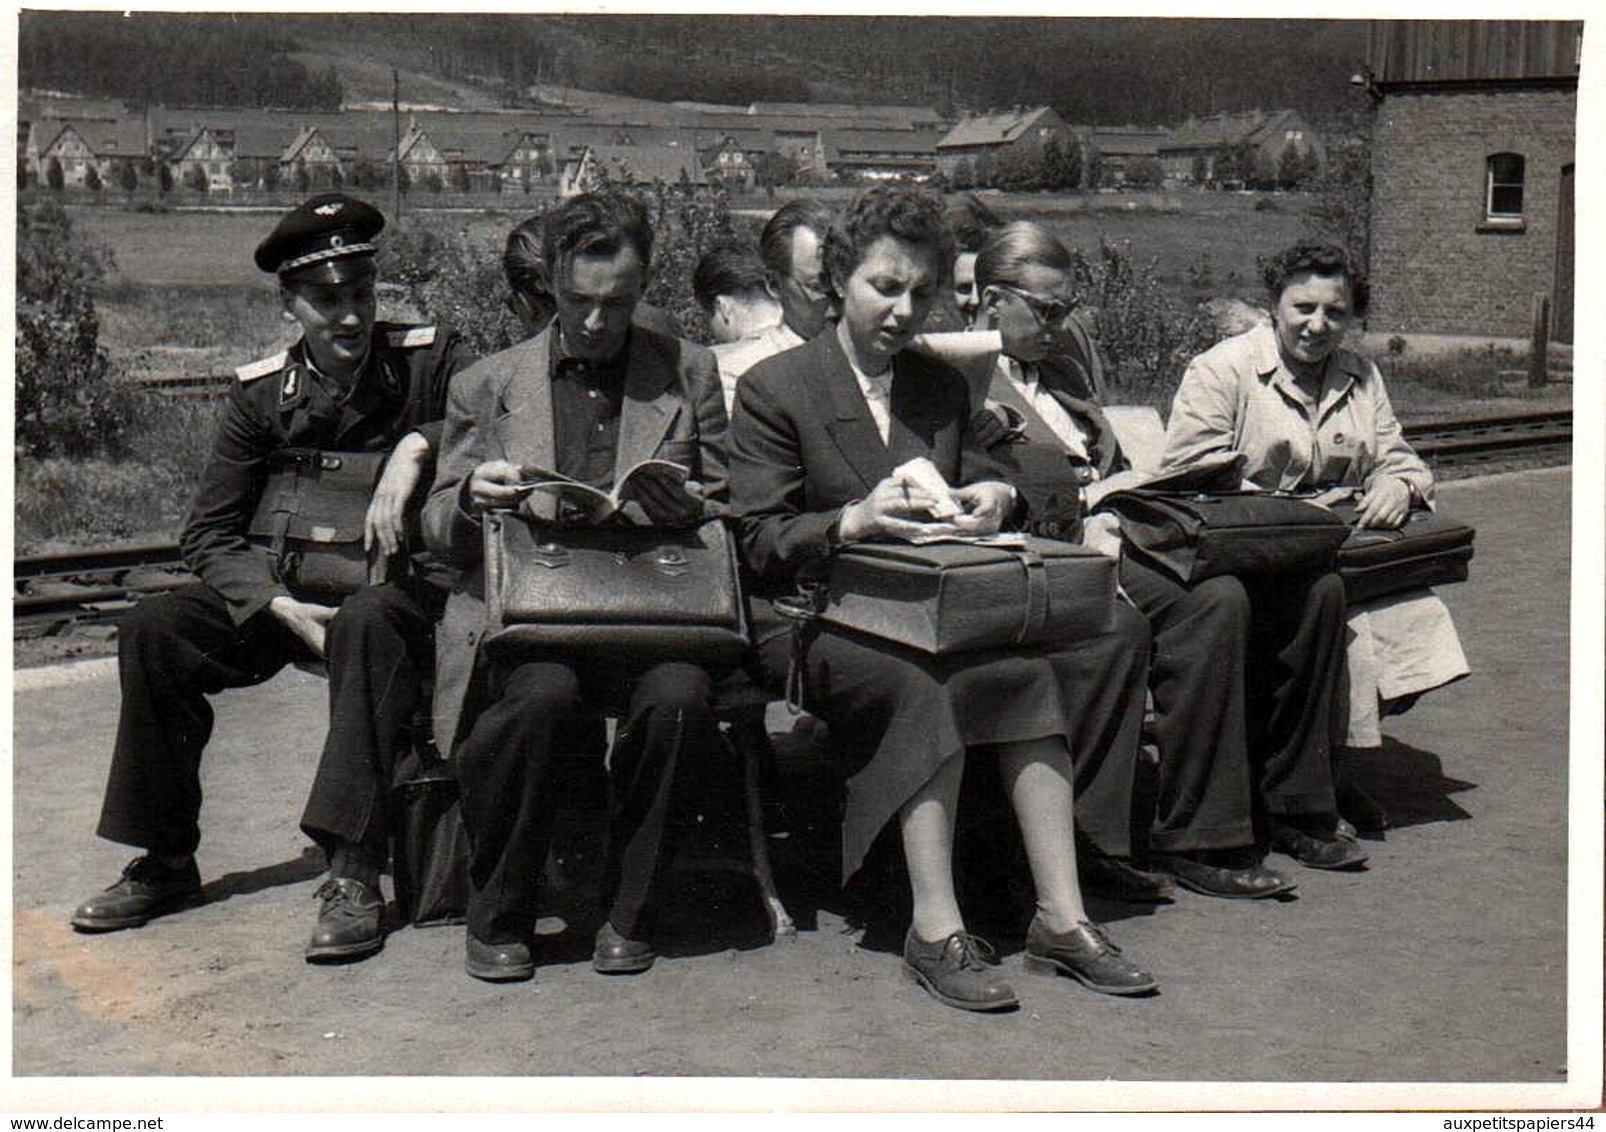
{"type": "Point", "coordinates": [803, 446]}
{"type": "Point", "coordinates": [501, 409]}
{"type": "Point", "coordinates": [1238, 396]}
{"type": "Point", "coordinates": [278, 403]}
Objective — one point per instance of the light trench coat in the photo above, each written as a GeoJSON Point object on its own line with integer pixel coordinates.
{"type": "Point", "coordinates": [1239, 396]}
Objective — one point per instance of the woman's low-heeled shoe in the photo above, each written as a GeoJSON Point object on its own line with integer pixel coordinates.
{"type": "Point", "coordinates": [958, 972]}
{"type": "Point", "coordinates": [1087, 955]}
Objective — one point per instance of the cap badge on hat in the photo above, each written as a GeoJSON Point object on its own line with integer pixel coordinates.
{"type": "Point", "coordinates": [328, 209]}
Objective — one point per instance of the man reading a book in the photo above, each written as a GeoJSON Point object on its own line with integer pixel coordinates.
{"type": "Point", "coordinates": [586, 400]}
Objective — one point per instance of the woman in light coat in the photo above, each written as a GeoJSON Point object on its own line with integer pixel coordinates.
{"type": "Point", "coordinates": [1308, 413]}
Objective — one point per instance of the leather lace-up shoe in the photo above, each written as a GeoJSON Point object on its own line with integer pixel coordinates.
{"type": "Point", "coordinates": [146, 889]}
{"type": "Point", "coordinates": [616, 955]}
{"type": "Point", "coordinates": [1197, 872]}
{"type": "Point", "coordinates": [348, 922]}
{"type": "Point", "coordinates": [958, 972]}
{"type": "Point", "coordinates": [1115, 879]}
{"type": "Point", "coordinates": [498, 962]}
{"type": "Point", "coordinates": [1316, 849]}
{"type": "Point", "coordinates": [1087, 955]}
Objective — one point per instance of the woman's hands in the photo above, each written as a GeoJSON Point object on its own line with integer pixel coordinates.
{"type": "Point", "coordinates": [897, 508]}
{"type": "Point", "coordinates": [1384, 505]}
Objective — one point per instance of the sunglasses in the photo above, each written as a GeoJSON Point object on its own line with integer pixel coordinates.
{"type": "Point", "coordinates": [1048, 312]}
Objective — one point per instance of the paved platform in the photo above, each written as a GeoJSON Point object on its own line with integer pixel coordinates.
{"type": "Point", "coordinates": [1445, 961]}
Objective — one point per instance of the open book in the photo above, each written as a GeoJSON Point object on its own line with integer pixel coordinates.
{"type": "Point", "coordinates": [556, 497]}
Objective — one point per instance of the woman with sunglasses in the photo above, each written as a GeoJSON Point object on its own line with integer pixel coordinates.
{"type": "Point", "coordinates": [817, 434]}
{"type": "Point", "coordinates": [1220, 764]}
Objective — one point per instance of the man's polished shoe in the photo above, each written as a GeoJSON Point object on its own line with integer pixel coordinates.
{"type": "Point", "coordinates": [348, 922]}
{"type": "Point", "coordinates": [959, 972]}
{"type": "Point", "coordinates": [1115, 879]}
{"type": "Point", "coordinates": [1316, 849]}
{"type": "Point", "coordinates": [616, 955]}
{"type": "Point", "coordinates": [498, 962]}
{"type": "Point", "coordinates": [146, 889]}
{"type": "Point", "coordinates": [1205, 873]}
{"type": "Point", "coordinates": [1086, 954]}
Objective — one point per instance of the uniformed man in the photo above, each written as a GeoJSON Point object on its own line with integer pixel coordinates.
{"type": "Point", "coordinates": [348, 385]}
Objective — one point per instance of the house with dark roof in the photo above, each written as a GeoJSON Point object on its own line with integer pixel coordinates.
{"type": "Point", "coordinates": [1122, 150]}
{"type": "Point", "coordinates": [631, 165]}
{"type": "Point", "coordinates": [79, 146]}
{"type": "Point", "coordinates": [881, 155]}
{"type": "Point", "coordinates": [1021, 131]}
{"type": "Point", "coordinates": [1254, 146]}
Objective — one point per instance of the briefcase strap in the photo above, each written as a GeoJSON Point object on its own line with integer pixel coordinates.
{"type": "Point", "coordinates": [1035, 611]}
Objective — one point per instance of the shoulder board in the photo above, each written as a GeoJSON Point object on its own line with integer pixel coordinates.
{"type": "Point", "coordinates": [412, 337]}
{"type": "Point", "coordinates": [253, 370]}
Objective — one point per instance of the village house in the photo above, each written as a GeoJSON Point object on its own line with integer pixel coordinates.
{"type": "Point", "coordinates": [631, 165]}
{"type": "Point", "coordinates": [1119, 155]}
{"type": "Point", "coordinates": [881, 155]}
{"type": "Point", "coordinates": [1020, 133]}
{"type": "Point", "coordinates": [76, 147]}
{"type": "Point", "coordinates": [1472, 206]}
{"type": "Point", "coordinates": [1256, 147]}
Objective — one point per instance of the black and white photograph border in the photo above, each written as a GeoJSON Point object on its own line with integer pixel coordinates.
{"type": "Point", "coordinates": [1462, 971]}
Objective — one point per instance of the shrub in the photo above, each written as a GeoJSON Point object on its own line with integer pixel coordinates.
{"type": "Point", "coordinates": [1145, 336]}
{"type": "Point", "coordinates": [67, 403]}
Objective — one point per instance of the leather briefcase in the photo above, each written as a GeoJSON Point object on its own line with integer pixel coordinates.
{"type": "Point", "coordinates": [310, 517]}
{"type": "Point", "coordinates": [430, 849]}
{"type": "Point", "coordinates": [951, 597]}
{"type": "Point", "coordinates": [643, 592]}
{"type": "Point", "coordinates": [1195, 536]}
{"type": "Point", "coordinates": [1429, 550]}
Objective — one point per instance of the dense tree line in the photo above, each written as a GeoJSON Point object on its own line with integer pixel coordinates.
{"type": "Point", "coordinates": [1092, 70]}
{"type": "Point", "coordinates": [174, 60]}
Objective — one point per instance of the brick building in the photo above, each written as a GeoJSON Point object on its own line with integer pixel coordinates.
{"type": "Point", "coordinates": [1472, 174]}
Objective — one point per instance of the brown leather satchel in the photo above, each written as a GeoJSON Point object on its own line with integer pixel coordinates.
{"type": "Point", "coordinates": [950, 597]}
{"type": "Point", "coordinates": [1198, 535]}
{"type": "Point", "coordinates": [310, 517]}
{"type": "Point", "coordinates": [643, 592]}
{"type": "Point", "coordinates": [1429, 549]}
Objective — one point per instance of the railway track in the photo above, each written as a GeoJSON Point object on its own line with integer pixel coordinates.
{"type": "Point", "coordinates": [56, 591]}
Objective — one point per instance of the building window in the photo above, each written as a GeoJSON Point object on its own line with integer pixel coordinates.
{"type": "Point", "coordinates": [1503, 200]}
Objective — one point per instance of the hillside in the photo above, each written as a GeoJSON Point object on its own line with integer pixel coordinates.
{"type": "Point", "coordinates": [1100, 70]}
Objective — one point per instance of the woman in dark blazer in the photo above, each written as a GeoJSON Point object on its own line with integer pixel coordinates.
{"type": "Point", "coordinates": [816, 434]}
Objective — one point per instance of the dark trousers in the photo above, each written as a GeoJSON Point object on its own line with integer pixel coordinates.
{"type": "Point", "coordinates": [1203, 798]}
{"type": "Point", "coordinates": [508, 768]}
{"type": "Point", "coordinates": [177, 649]}
{"type": "Point", "coordinates": [1294, 689]}
{"type": "Point", "coordinates": [1104, 677]}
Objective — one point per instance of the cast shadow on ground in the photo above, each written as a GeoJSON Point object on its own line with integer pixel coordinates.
{"type": "Point", "coordinates": [1410, 784]}
{"type": "Point", "coordinates": [308, 865]}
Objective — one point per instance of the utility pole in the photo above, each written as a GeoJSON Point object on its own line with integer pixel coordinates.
{"type": "Point", "coordinates": [395, 150]}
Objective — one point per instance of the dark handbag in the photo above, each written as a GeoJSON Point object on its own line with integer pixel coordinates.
{"type": "Point", "coordinates": [430, 850]}
{"type": "Point", "coordinates": [1429, 550]}
{"type": "Point", "coordinates": [951, 597]}
{"type": "Point", "coordinates": [644, 592]}
{"type": "Point", "coordinates": [310, 517]}
{"type": "Point", "coordinates": [1198, 535]}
